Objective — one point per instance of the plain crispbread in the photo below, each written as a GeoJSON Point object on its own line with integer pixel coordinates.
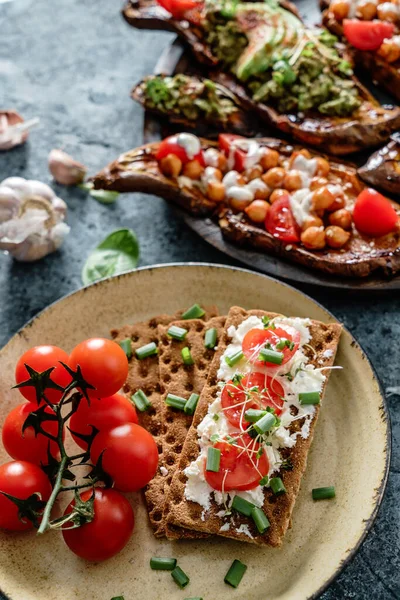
{"type": "Point", "coordinates": [187, 514]}
{"type": "Point", "coordinates": [182, 381]}
{"type": "Point", "coordinates": [144, 374]}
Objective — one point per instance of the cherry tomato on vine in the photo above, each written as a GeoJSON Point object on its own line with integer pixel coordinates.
{"type": "Point", "coordinates": [20, 479]}
{"type": "Point", "coordinates": [256, 339]}
{"type": "Point", "coordinates": [103, 364]}
{"type": "Point", "coordinates": [130, 456]}
{"type": "Point", "coordinates": [110, 530]}
{"type": "Point", "coordinates": [236, 398]}
{"type": "Point", "coordinates": [27, 445]}
{"type": "Point", "coordinates": [239, 468]}
{"type": "Point", "coordinates": [41, 358]}
{"type": "Point", "coordinates": [103, 413]}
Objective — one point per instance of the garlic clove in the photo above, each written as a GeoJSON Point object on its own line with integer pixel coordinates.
{"type": "Point", "coordinates": [65, 169]}
{"type": "Point", "coordinates": [37, 188]}
{"type": "Point", "coordinates": [13, 129]}
{"type": "Point", "coordinates": [9, 203]}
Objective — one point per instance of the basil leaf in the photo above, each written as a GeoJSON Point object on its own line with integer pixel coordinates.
{"type": "Point", "coordinates": [118, 253]}
{"type": "Point", "coordinates": [104, 196]}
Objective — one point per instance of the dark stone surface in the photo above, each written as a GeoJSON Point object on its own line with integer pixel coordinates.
{"type": "Point", "coordinates": [72, 63]}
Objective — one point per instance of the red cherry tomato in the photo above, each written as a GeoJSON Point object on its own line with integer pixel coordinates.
{"type": "Point", "coordinates": [41, 358]}
{"type": "Point", "coordinates": [130, 456]}
{"type": "Point", "coordinates": [20, 479]}
{"type": "Point", "coordinates": [103, 364]}
{"type": "Point", "coordinates": [226, 141]}
{"type": "Point", "coordinates": [237, 398]}
{"type": "Point", "coordinates": [173, 145]}
{"type": "Point", "coordinates": [280, 221]}
{"type": "Point", "coordinates": [104, 413]}
{"type": "Point", "coordinates": [178, 7]}
{"type": "Point", "coordinates": [110, 530]}
{"type": "Point", "coordinates": [27, 445]}
{"type": "Point", "coordinates": [239, 469]}
{"type": "Point", "coordinates": [367, 35]}
{"type": "Point", "coordinates": [373, 214]}
{"type": "Point", "coordinates": [256, 339]}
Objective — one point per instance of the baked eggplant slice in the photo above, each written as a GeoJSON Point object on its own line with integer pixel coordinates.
{"type": "Point", "coordinates": [382, 169]}
{"type": "Point", "coordinates": [381, 65]}
{"type": "Point", "coordinates": [337, 114]}
{"type": "Point", "coordinates": [194, 102]}
{"type": "Point", "coordinates": [297, 183]}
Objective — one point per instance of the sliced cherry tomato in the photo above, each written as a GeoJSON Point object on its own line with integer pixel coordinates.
{"type": "Point", "coordinates": [178, 7]}
{"type": "Point", "coordinates": [239, 468]}
{"type": "Point", "coordinates": [280, 221]}
{"type": "Point", "coordinates": [20, 479]}
{"type": "Point", "coordinates": [103, 364]}
{"type": "Point", "coordinates": [373, 214]}
{"type": "Point", "coordinates": [237, 398]}
{"type": "Point", "coordinates": [103, 413]}
{"type": "Point", "coordinates": [110, 530]}
{"type": "Point", "coordinates": [27, 445]}
{"type": "Point", "coordinates": [226, 141]}
{"type": "Point", "coordinates": [42, 358]}
{"type": "Point", "coordinates": [256, 339]}
{"type": "Point", "coordinates": [367, 35]}
{"type": "Point", "coordinates": [130, 456]}
{"type": "Point", "coordinates": [178, 144]}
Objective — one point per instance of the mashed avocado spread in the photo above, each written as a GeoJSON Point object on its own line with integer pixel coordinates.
{"type": "Point", "coordinates": [280, 60]}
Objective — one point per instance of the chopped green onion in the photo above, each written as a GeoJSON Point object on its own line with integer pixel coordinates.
{"type": "Point", "coordinates": [180, 577]}
{"type": "Point", "coordinates": [146, 351]}
{"type": "Point", "coordinates": [260, 519]}
{"type": "Point", "coordinates": [324, 493]}
{"type": "Point", "coordinates": [232, 359]}
{"type": "Point", "coordinates": [210, 338]}
{"type": "Point", "coordinates": [285, 343]}
{"type": "Point", "coordinates": [104, 196]}
{"type": "Point", "coordinates": [194, 312]}
{"type": "Point", "coordinates": [265, 423]}
{"type": "Point", "coordinates": [141, 401]}
{"type": "Point", "coordinates": [177, 333]}
{"type": "Point", "coordinates": [191, 404]}
{"type": "Point", "coordinates": [252, 415]}
{"type": "Point", "coordinates": [118, 598]}
{"type": "Point", "coordinates": [265, 321]}
{"type": "Point", "coordinates": [213, 459]}
{"type": "Point", "coordinates": [175, 401]}
{"type": "Point", "coordinates": [242, 506]}
{"type": "Point", "coordinates": [126, 347]}
{"type": "Point", "coordinates": [162, 564]}
{"type": "Point", "coordinates": [277, 486]}
{"type": "Point", "coordinates": [309, 398]}
{"type": "Point", "coordinates": [215, 417]}
{"type": "Point", "coordinates": [235, 574]}
{"type": "Point", "coordinates": [271, 356]}
{"type": "Point", "coordinates": [264, 481]}
{"type": "Point", "coordinates": [214, 438]}
{"type": "Point", "coordinates": [187, 357]}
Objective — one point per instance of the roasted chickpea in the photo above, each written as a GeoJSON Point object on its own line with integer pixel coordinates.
{"type": "Point", "coordinates": [296, 153]}
{"type": "Point", "coordinates": [193, 169]}
{"type": "Point", "coordinates": [274, 177]}
{"type": "Point", "coordinates": [341, 218]}
{"type": "Point", "coordinates": [336, 237]}
{"type": "Point", "coordinates": [257, 211]}
{"type": "Point", "coordinates": [277, 195]}
{"type": "Point", "coordinates": [322, 198]}
{"type": "Point", "coordinates": [313, 238]}
{"type": "Point", "coordinates": [340, 9]}
{"type": "Point", "coordinates": [269, 159]}
{"type": "Point", "coordinates": [317, 182]}
{"type": "Point", "coordinates": [216, 191]}
{"type": "Point", "coordinates": [337, 204]}
{"type": "Point", "coordinates": [293, 180]}
{"type": "Point", "coordinates": [253, 173]}
{"type": "Point", "coordinates": [390, 51]}
{"type": "Point", "coordinates": [239, 201]}
{"type": "Point", "coordinates": [388, 12]}
{"type": "Point", "coordinates": [212, 174]}
{"type": "Point", "coordinates": [259, 189]}
{"type": "Point", "coordinates": [323, 167]}
{"type": "Point", "coordinates": [171, 165]}
{"type": "Point", "coordinates": [222, 162]}
{"type": "Point", "coordinates": [312, 221]}
{"type": "Point", "coordinates": [366, 10]}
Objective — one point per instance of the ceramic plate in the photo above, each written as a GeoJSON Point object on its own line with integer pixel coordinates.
{"type": "Point", "coordinates": [351, 450]}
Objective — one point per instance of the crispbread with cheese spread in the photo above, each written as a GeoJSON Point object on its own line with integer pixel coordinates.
{"type": "Point", "coordinates": [210, 517]}
{"type": "Point", "coordinates": [181, 380]}
{"type": "Point", "coordinates": [144, 375]}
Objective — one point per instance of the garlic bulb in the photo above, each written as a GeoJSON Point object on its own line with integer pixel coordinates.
{"type": "Point", "coordinates": [65, 169]}
{"type": "Point", "coordinates": [13, 129]}
{"type": "Point", "coordinates": [31, 219]}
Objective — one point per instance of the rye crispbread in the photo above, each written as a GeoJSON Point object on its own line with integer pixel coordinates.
{"type": "Point", "coordinates": [144, 375]}
{"type": "Point", "coordinates": [181, 380]}
{"type": "Point", "coordinates": [187, 514]}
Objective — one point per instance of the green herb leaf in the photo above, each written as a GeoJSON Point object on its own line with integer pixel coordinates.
{"type": "Point", "coordinates": [88, 185]}
{"type": "Point", "coordinates": [118, 253]}
{"type": "Point", "coordinates": [104, 196]}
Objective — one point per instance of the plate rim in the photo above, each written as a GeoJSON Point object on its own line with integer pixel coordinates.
{"type": "Point", "coordinates": [379, 492]}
